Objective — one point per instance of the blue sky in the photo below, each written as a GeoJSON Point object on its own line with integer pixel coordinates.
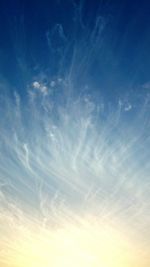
{"type": "Point", "coordinates": [119, 59]}
{"type": "Point", "coordinates": [88, 60]}
{"type": "Point", "coordinates": [74, 131]}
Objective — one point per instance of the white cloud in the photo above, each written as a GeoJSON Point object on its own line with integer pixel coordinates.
{"type": "Point", "coordinates": [41, 87]}
{"type": "Point", "coordinates": [44, 89]}
{"type": "Point", "coordinates": [128, 107]}
{"type": "Point", "coordinates": [36, 85]}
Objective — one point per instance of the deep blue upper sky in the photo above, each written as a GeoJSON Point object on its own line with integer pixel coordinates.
{"type": "Point", "coordinates": [116, 58]}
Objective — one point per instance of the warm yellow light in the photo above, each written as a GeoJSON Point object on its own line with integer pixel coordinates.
{"type": "Point", "coordinates": [88, 244]}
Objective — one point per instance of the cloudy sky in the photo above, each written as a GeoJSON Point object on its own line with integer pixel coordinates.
{"type": "Point", "coordinates": [74, 133]}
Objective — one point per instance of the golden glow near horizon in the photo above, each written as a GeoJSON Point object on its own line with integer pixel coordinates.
{"type": "Point", "coordinates": [88, 243]}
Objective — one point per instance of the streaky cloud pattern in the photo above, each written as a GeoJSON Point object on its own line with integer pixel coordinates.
{"type": "Point", "coordinates": [75, 146]}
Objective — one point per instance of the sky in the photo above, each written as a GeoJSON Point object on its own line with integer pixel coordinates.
{"type": "Point", "coordinates": [74, 133]}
